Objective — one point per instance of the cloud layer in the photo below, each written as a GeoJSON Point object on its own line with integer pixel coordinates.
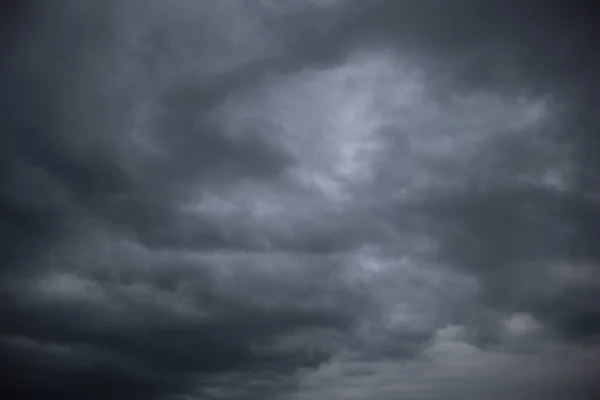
{"type": "Point", "coordinates": [299, 200]}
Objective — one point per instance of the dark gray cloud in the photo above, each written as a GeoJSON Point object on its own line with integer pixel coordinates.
{"type": "Point", "coordinates": [304, 199]}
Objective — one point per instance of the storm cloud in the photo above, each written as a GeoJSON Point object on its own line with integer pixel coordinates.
{"type": "Point", "coordinates": [306, 199]}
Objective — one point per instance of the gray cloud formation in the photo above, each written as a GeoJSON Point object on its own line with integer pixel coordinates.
{"type": "Point", "coordinates": [303, 199]}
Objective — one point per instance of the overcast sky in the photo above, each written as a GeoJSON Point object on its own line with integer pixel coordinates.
{"type": "Point", "coordinates": [299, 200]}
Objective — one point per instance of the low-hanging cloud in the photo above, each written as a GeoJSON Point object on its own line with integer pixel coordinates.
{"type": "Point", "coordinates": [298, 199]}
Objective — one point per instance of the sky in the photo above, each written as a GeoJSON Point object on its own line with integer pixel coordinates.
{"type": "Point", "coordinates": [299, 199]}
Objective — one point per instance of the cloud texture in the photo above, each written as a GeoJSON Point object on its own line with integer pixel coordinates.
{"type": "Point", "coordinates": [303, 199]}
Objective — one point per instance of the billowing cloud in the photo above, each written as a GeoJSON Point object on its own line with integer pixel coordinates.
{"type": "Point", "coordinates": [298, 199]}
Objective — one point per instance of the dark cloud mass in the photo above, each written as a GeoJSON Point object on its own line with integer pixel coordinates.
{"type": "Point", "coordinates": [311, 199]}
